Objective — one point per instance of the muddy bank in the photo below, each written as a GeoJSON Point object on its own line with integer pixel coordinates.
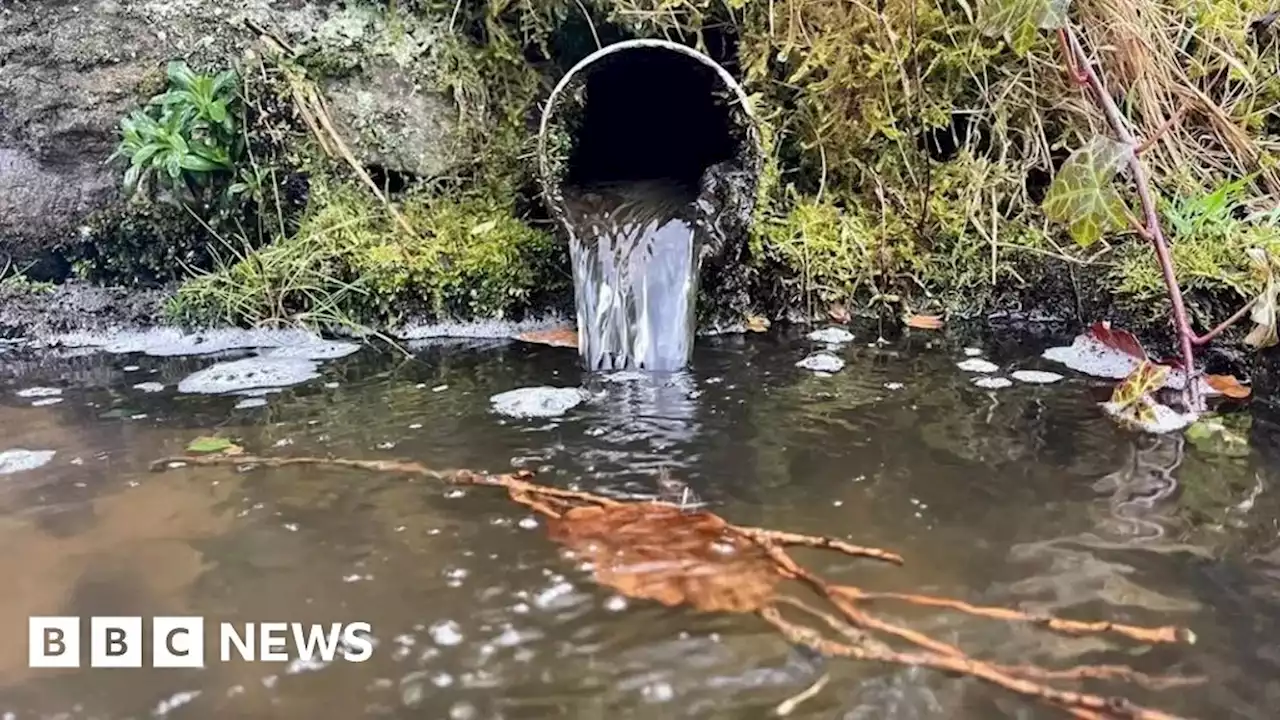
{"type": "Point", "coordinates": [44, 311]}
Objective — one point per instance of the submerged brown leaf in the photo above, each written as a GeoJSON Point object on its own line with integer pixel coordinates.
{"type": "Point", "coordinates": [555, 337]}
{"type": "Point", "coordinates": [757, 323]}
{"type": "Point", "coordinates": [658, 552]}
{"type": "Point", "coordinates": [924, 322]}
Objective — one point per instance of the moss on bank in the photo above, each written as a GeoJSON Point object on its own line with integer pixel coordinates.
{"type": "Point", "coordinates": [349, 262]}
{"type": "Point", "coordinates": [907, 156]}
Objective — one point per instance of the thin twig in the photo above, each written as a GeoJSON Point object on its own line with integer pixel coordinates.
{"type": "Point", "coordinates": [852, 623]}
{"type": "Point", "coordinates": [1151, 215]}
{"type": "Point", "coordinates": [1225, 324]}
{"type": "Point", "coordinates": [1164, 634]}
{"type": "Point", "coordinates": [1102, 707]}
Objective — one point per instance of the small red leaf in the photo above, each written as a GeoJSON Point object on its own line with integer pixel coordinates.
{"type": "Point", "coordinates": [1121, 340]}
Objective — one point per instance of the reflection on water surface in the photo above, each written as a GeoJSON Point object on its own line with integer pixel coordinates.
{"type": "Point", "coordinates": [1025, 496]}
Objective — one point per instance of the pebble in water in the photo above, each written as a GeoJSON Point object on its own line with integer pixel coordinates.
{"type": "Point", "coordinates": [972, 351]}
{"type": "Point", "coordinates": [19, 460]}
{"type": "Point", "coordinates": [542, 401]}
{"type": "Point", "coordinates": [977, 365]}
{"type": "Point", "coordinates": [821, 362]}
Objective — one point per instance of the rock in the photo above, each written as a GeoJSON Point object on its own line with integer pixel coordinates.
{"type": "Point", "coordinates": [390, 122]}
{"type": "Point", "coordinates": [72, 71]}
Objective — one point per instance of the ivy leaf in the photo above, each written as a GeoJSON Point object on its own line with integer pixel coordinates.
{"type": "Point", "coordinates": [1132, 393]}
{"type": "Point", "coordinates": [1263, 334]}
{"type": "Point", "coordinates": [1017, 21]}
{"type": "Point", "coordinates": [1083, 196]}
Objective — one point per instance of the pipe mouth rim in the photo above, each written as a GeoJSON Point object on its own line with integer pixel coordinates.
{"type": "Point", "coordinates": [550, 109]}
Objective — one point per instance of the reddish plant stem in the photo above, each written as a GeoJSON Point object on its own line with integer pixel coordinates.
{"type": "Point", "coordinates": [1084, 67]}
{"type": "Point", "coordinates": [1222, 326]}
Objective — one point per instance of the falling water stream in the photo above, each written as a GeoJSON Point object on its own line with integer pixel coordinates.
{"type": "Point", "coordinates": [635, 268]}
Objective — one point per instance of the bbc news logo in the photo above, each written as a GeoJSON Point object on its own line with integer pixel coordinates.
{"type": "Point", "coordinates": [179, 642]}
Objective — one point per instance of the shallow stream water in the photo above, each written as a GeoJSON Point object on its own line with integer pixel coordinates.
{"type": "Point", "coordinates": [1025, 496]}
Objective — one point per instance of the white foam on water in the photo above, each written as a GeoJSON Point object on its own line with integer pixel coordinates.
{"type": "Point", "coordinates": [171, 342]}
{"type": "Point", "coordinates": [992, 383]}
{"type": "Point", "coordinates": [972, 351]}
{"type": "Point", "coordinates": [542, 401]}
{"type": "Point", "coordinates": [1035, 377]}
{"type": "Point", "coordinates": [482, 329]}
{"type": "Point", "coordinates": [251, 402]}
{"type": "Point", "coordinates": [1088, 356]}
{"type": "Point", "coordinates": [249, 374]}
{"type": "Point", "coordinates": [831, 336]}
{"type": "Point", "coordinates": [20, 460]}
{"type": "Point", "coordinates": [38, 392]}
{"type": "Point", "coordinates": [977, 365]}
{"type": "Point", "coordinates": [149, 387]}
{"type": "Point", "coordinates": [174, 702]}
{"type": "Point", "coordinates": [822, 362]}
{"type": "Point", "coordinates": [446, 633]}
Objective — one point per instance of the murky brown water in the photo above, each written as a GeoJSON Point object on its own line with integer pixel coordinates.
{"type": "Point", "coordinates": [1026, 497]}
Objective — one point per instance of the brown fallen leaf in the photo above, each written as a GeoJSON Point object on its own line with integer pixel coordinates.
{"type": "Point", "coordinates": [924, 322]}
{"type": "Point", "coordinates": [1227, 385]}
{"type": "Point", "coordinates": [757, 323]}
{"type": "Point", "coordinates": [839, 313]}
{"type": "Point", "coordinates": [566, 337]}
{"type": "Point", "coordinates": [659, 552]}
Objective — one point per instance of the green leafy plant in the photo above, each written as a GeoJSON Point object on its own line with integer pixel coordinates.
{"type": "Point", "coordinates": [185, 138]}
{"type": "Point", "coordinates": [1083, 196]}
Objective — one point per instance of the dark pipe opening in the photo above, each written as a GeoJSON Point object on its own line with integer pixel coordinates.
{"type": "Point", "coordinates": [651, 114]}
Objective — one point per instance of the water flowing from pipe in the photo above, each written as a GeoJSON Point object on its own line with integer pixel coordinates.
{"type": "Point", "coordinates": [634, 249]}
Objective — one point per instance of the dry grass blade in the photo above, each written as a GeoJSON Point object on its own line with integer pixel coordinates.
{"type": "Point", "coordinates": [664, 552]}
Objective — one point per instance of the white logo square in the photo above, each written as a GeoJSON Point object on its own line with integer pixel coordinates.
{"type": "Point", "coordinates": [177, 642]}
{"type": "Point", "coordinates": [115, 642]}
{"type": "Point", "coordinates": [53, 642]}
